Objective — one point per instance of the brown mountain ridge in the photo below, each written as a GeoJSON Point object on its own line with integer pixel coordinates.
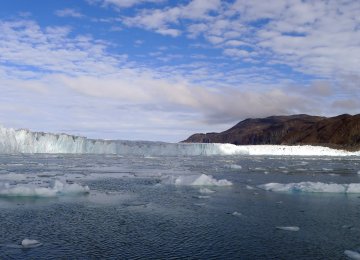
{"type": "Point", "coordinates": [341, 131]}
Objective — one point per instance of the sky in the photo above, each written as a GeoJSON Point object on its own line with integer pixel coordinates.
{"type": "Point", "coordinates": [164, 69]}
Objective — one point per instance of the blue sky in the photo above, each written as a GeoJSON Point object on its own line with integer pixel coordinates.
{"type": "Point", "coordinates": [163, 69]}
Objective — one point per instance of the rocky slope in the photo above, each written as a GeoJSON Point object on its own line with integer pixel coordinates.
{"type": "Point", "coordinates": [342, 131]}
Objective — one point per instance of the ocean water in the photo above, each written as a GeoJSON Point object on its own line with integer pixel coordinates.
{"type": "Point", "coordinates": [193, 207]}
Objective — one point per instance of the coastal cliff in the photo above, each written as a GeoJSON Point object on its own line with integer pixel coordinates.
{"type": "Point", "coordinates": [341, 131]}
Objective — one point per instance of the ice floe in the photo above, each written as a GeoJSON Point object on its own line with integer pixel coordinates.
{"type": "Point", "coordinates": [30, 243]}
{"type": "Point", "coordinates": [236, 214]}
{"type": "Point", "coordinates": [206, 191]}
{"type": "Point", "coordinates": [37, 190]}
{"type": "Point", "coordinates": [235, 166]}
{"type": "Point", "coordinates": [196, 180]}
{"type": "Point", "coordinates": [352, 254]}
{"type": "Point", "coordinates": [288, 228]}
{"type": "Point", "coordinates": [319, 187]}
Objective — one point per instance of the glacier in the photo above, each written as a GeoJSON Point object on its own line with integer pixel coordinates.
{"type": "Point", "coordinates": [25, 141]}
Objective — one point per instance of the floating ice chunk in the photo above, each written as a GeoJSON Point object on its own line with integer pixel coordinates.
{"type": "Point", "coordinates": [235, 166]}
{"type": "Point", "coordinates": [249, 187]}
{"type": "Point", "coordinates": [358, 172]}
{"type": "Point", "coordinates": [319, 187]}
{"type": "Point", "coordinates": [30, 243]}
{"type": "Point", "coordinates": [31, 190]}
{"type": "Point", "coordinates": [353, 188]}
{"type": "Point", "coordinates": [203, 197]}
{"type": "Point", "coordinates": [195, 180]}
{"type": "Point", "coordinates": [288, 228]}
{"type": "Point", "coordinates": [259, 169]}
{"type": "Point", "coordinates": [70, 188]}
{"type": "Point", "coordinates": [13, 176]}
{"type": "Point", "coordinates": [236, 214]}
{"type": "Point", "coordinates": [206, 191]}
{"type": "Point", "coordinates": [352, 254]}
{"type": "Point", "coordinates": [327, 169]}
{"type": "Point", "coordinates": [347, 226]}
{"type": "Point", "coordinates": [207, 180]}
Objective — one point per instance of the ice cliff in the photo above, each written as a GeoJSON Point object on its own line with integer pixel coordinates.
{"type": "Point", "coordinates": [25, 141]}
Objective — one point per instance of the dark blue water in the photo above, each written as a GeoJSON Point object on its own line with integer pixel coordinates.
{"type": "Point", "coordinates": [133, 211]}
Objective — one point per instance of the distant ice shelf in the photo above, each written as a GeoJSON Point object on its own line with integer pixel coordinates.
{"type": "Point", "coordinates": [25, 141]}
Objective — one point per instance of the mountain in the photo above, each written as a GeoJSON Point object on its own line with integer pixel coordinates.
{"type": "Point", "coordinates": [341, 131]}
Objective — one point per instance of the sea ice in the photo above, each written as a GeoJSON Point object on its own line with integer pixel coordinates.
{"type": "Point", "coordinates": [352, 254]}
{"type": "Point", "coordinates": [13, 176]}
{"type": "Point", "coordinates": [203, 197]}
{"type": "Point", "coordinates": [236, 214]}
{"type": "Point", "coordinates": [319, 187]}
{"type": "Point", "coordinates": [206, 180]}
{"type": "Point", "coordinates": [32, 190]}
{"type": "Point", "coordinates": [196, 180]}
{"type": "Point", "coordinates": [206, 191]}
{"type": "Point", "coordinates": [235, 166]}
{"type": "Point", "coordinates": [30, 243]}
{"type": "Point", "coordinates": [288, 228]}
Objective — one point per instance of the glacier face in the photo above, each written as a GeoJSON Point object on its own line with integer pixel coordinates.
{"type": "Point", "coordinates": [25, 141]}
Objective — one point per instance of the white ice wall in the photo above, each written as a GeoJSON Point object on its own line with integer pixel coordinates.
{"type": "Point", "coordinates": [24, 141]}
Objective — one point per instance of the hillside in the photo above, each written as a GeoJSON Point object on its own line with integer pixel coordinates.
{"type": "Point", "coordinates": [342, 131]}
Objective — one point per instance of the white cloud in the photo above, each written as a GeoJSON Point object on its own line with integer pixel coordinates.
{"type": "Point", "coordinates": [236, 53]}
{"type": "Point", "coordinates": [125, 3]}
{"type": "Point", "coordinates": [169, 31]}
{"type": "Point", "coordinates": [235, 43]}
{"type": "Point", "coordinates": [80, 67]}
{"type": "Point", "coordinates": [50, 49]}
{"type": "Point", "coordinates": [159, 19]}
{"type": "Point", "coordinates": [74, 80]}
{"type": "Point", "coordinates": [68, 13]}
{"type": "Point", "coordinates": [314, 37]}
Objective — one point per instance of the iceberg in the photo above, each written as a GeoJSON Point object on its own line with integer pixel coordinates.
{"type": "Point", "coordinates": [315, 187]}
{"type": "Point", "coordinates": [25, 141]}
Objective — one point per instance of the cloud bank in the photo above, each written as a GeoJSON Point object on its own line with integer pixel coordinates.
{"type": "Point", "coordinates": [245, 59]}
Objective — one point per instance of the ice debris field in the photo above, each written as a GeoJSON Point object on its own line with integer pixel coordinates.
{"type": "Point", "coordinates": [25, 141]}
